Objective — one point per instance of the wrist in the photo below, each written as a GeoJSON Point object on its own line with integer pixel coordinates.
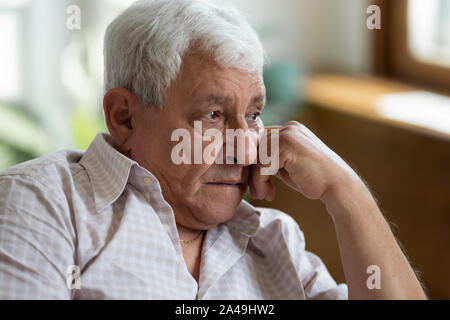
{"type": "Point", "coordinates": [348, 198]}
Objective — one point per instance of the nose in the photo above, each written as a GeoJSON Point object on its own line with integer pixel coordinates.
{"type": "Point", "coordinates": [240, 144]}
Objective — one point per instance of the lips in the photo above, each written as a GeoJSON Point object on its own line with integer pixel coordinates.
{"type": "Point", "coordinates": [229, 183]}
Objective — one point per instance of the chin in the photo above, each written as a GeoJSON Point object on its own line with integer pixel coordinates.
{"type": "Point", "coordinates": [216, 210]}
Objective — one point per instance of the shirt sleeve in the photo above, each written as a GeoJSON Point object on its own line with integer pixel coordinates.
{"type": "Point", "coordinates": [318, 284]}
{"type": "Point", "coordinates": [36, 241]}
{"type": "Point", "coordinates": [314, 278]}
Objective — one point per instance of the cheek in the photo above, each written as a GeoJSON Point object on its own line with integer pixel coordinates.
{"type": "Point", "coordinates": [186, 179]}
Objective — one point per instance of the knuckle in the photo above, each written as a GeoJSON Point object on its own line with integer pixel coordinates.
{"type": "Point", "coordinates": [291, 128]}
{"type": "Point", "coordinates": [292, 123]}
{"type": "Point", "coordinates": [295, 126]}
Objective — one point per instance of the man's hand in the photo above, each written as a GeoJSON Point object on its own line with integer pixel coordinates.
{"type": "Point", "coordinates": [307, 165]}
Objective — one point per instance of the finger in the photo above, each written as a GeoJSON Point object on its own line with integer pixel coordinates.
{"type": "Point", "coordinates": [259, 181]}
{"type": "Point", "coordinates": [261, 187]}
{"type": "Point", "coordinates": [271, 194]}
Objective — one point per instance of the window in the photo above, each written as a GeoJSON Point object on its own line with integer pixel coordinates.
{"type": "Point", "coordinates": [429, 31]}
{"type": "Point", "coordinates": [414, 42]}
{"type": "Point", "coordinates": [9, 55]}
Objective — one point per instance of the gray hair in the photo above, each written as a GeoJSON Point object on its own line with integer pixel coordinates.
{"type": "Point", "coordinates": [145, 44]}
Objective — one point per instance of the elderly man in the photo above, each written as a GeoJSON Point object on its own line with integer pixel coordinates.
{"type": "Point", "coordinates": [123, 220]}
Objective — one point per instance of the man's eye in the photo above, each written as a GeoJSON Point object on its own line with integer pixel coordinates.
{"type": "Point", "coordinates": [213, 115]}
{"type": "Point", "coordinates": [254, 116]}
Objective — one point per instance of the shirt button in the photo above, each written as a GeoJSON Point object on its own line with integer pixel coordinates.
{"type": "Point", "coordinates": [148, 181]}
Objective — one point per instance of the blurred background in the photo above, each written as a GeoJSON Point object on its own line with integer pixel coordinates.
{"type": "Point", "coordinates": [378, 97]}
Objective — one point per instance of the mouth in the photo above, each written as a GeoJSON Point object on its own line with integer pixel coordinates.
{"type": "Point", "coordinates": [229, 184]}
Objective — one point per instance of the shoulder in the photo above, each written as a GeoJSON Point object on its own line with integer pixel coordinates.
{"type": "Point", "coordinates": [271, 219]}
{"type": "Point", "coordinates": [42, 167]}
{"type": "Point", "coordinates": [47, 174]}
{"type": "Point", "coordinates": [270, 216]}
{"type": "Point", "coordinates": [277, 227]}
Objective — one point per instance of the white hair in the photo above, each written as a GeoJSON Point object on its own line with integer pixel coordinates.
{"type": "Point", "coordinates": [145, 44]}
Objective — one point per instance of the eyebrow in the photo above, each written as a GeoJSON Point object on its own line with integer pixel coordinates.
{"type": "Point", "coordinates": [212, 99]}
{"type": "Point", "coordinates": [259, 99]}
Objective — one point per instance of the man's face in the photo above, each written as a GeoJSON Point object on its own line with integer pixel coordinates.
{"type": "Point", "coordinates": [202, 195]}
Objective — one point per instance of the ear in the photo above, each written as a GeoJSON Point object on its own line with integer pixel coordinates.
{"type": "Point", "coordinates": [119, 106]}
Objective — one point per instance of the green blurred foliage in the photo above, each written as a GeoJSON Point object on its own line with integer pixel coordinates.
{"type": "Point", "coordinates": [85, 125]}
{"type": "Point", "coordinates": [22, 136]}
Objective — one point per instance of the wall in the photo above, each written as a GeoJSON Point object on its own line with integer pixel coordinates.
{"type": "Point", "coordinates": [325, 35]}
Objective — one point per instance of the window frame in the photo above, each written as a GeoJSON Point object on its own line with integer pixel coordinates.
{"type": "Point", "coordinates": [392, 56]}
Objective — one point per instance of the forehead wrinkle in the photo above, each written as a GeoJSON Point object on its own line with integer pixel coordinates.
{"type": "Point", "coordinates": [215, 99]}
{"type": "Point", "coordinates": [259, 98]}
{"type": "Point", "coordinates": [212, 89]}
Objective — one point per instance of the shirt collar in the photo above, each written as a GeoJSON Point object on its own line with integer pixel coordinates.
{"type": "Point", "coordinates": [246, 220]}
{"type": "Point", "coordinates": [107, 168]}
{"type": "Point", "coordinates": [109, 171]}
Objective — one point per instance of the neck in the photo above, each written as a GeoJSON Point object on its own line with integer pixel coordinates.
{"type": "Point", "coordinates": [186, 233]}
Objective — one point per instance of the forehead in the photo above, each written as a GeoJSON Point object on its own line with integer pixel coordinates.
{"type": "Point", "coordinates": [200, 75]}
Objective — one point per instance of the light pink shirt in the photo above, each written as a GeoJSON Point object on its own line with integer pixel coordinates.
{"type": "Point", "coordinates": [102, 212]}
